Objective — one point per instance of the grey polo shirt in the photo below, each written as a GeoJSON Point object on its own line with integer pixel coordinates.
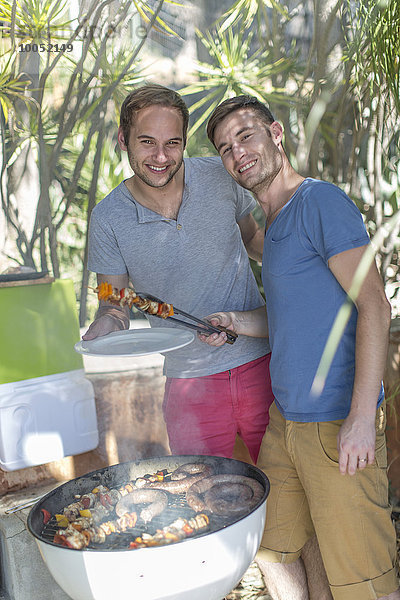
{"type": "Point", "coordinates": [197, 262]}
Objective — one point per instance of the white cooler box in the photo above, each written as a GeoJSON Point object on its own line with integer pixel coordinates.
{"type": "Point", "coordinates": [47, 406]}
{"type": "Point", "coordinates": [46, 418]}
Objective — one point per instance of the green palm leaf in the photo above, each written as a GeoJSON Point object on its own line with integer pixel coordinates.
{"type": "Point", "coordinates": [30, 19]}
{"type": "Point", "coordinates": [375, 46]}
{"type": "Point", "coordinates": [12, 87]}
{"type": "Point", "coordinates": [146, 13]}
{"type": "Point", "coordinates": [233, 70]}
{"type": "Point", "coordinates": [246, 11]}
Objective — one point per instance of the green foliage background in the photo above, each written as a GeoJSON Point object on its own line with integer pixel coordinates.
{"type": "Point", "coordinates": [336, 93]}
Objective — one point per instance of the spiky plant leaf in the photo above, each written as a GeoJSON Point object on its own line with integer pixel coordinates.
{"type": "Point", "coordinates": [234, 69]}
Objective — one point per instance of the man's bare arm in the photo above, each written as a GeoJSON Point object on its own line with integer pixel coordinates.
{"type": "Point", "coordinates": [109, 317]}
{"type": "Point", "coordinates": [356, 437]}
{"type": "Point", "coordinates": [252, 236]}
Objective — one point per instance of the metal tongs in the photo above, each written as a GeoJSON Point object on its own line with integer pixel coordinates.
{"type": "Point", "coordinates": [23, 505]}
{"type": "Point", "coordinates": [202, 326]}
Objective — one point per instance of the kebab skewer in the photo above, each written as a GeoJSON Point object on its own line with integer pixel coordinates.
{"type": "Point", "coordinates": [82, 532]}
{"type": "Point", "coordinates": [128, 297]}
{"type": "Point", "coordinates": [175, 532]}
{"type": "Point", "coordinates": [156, 307]}
{"type": "Point", "coordinates": [81, 521]}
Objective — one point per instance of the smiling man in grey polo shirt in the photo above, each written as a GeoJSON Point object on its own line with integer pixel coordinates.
{"type": "Point", "coordinates": [180, 229]}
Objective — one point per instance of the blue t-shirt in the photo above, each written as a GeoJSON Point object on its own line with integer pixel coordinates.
{"type": "Point", "coordinates": [303, 298]}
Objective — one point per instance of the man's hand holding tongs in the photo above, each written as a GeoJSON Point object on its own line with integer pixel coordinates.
{"type": "Point", "coordinates": [253, 323]}
{"type": "Point", "coordinates": [223, 319]}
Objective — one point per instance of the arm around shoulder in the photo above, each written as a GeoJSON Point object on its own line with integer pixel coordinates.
{"type": "Point", "coordinates": [252, 236]}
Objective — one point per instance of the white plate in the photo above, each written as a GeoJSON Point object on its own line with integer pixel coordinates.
{"type": "Point", "coordinates": [136, 342]}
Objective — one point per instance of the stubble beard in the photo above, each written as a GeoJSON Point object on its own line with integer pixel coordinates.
{"type": "Point", "coordinates": [142, 175]}
{"type": "Point", "coordinates": [266, 177]}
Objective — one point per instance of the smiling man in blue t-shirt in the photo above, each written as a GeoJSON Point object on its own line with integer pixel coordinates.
{"type": "Point", "coordinates": [325, 454]}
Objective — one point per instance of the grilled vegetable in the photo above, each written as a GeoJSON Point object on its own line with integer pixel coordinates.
{"type": "Point", "coordinates": [46, 515]}
{"type": "Point", "coordinates": [81, 532]}
{"type": "Point", "coordinates": [128, 297]}
{"type": "Point", "coordinates": [176, 531]}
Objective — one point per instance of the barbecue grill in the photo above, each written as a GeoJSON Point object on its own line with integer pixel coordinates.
{"type": "Point", "coordinates": [204, 566]}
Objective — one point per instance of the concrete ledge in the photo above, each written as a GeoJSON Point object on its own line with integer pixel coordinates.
{"type": "Point", "coordinates": [24, 575]}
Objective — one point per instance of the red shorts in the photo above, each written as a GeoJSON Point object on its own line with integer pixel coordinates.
{"type": "Point", "coordinates": [204, 414]}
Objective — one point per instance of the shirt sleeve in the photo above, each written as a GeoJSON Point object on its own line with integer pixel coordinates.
{"type": "Point", "coordinates": [104, 255]}
{"type": "Point", "coordinates": [331, 221]}
{"type": "Point", "coordinates": [245, 202]}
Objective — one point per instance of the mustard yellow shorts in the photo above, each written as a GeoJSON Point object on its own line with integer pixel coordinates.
{"type": "Point", "coordinates": [350, 515]}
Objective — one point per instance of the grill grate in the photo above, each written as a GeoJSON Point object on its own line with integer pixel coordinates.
{"type": "Point", "coordinates": [116, 476]}
{"type": "Point", "coordinates": [177, 507]}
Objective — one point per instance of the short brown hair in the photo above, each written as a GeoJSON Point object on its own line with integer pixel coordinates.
{"type": "Point", "coordinates": [230, 105]}
{"type": "Point", "coordinates": [149, 95]}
